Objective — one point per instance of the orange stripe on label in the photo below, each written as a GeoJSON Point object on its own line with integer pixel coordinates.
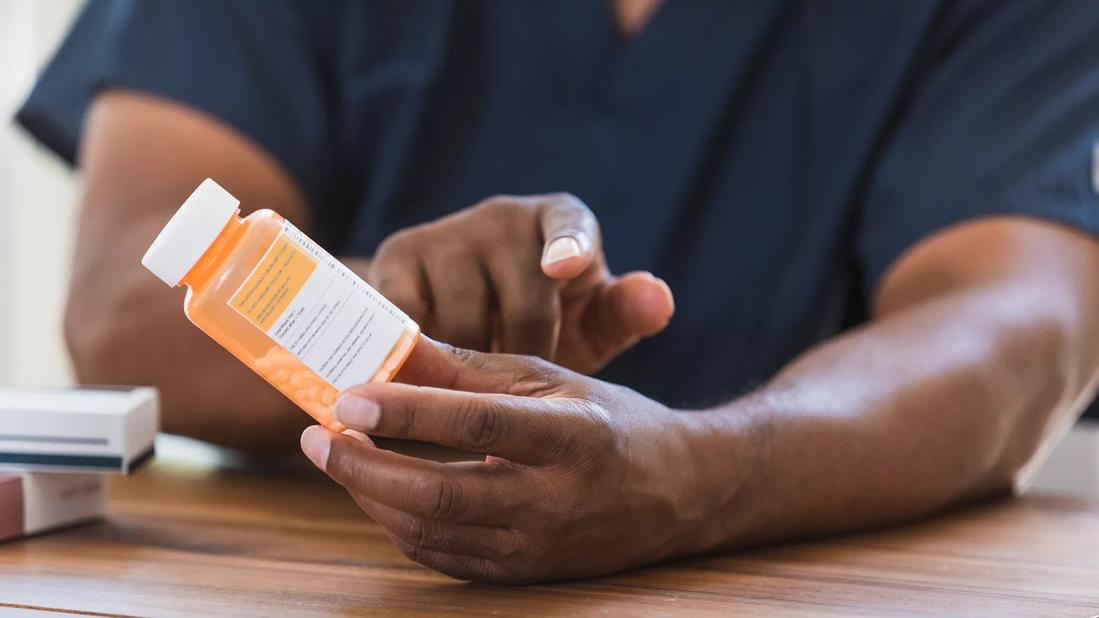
{"type": "Point", "coordinates": [278, 278]}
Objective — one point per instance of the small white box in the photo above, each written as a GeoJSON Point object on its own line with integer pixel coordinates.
{"type": "Point", "coordinates": [78, 429]}
{"type": "Point", "coordinates": [1072, 468]}
{"type": "Point", "coordinates": [31, 503]}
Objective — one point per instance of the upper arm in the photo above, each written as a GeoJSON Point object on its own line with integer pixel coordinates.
{"type": "Point", "coordinates": [1000, 119]}
{"type": "Point", "coordinates": [142, 155]}
{"type": "Point", "coordinates": [983, 192]}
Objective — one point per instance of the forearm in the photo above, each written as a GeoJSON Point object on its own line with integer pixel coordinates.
{"type": "Point", "coordinates": [941, 403]}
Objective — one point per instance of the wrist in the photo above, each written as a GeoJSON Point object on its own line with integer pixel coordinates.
{"type": "Point", "coordinates": [723, 461]}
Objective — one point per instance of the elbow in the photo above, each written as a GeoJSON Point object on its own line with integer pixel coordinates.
{"type": "Point", "coordinates": [88, 338]}
{"type": "Point", "coordinates": [96, 336]}
{"type": "Point", "coordinates": [1055, 376]}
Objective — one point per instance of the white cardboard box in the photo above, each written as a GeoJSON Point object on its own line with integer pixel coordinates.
{"type": "Point", "coordinates": [78, 429]}
{"type": "Point", "coordinates": [1072, 468]}
{"type": "Point", "coordinates": [31, 503]}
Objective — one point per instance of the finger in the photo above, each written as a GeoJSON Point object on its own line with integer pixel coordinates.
{"type": "Point", "coordinates": [524, 429]}
{"type": "Point", "coordinates": [396, 272]}
{"type": "Point", "coordinates": [460, 298]}
{"type": "Point", "coordinates": [529, 305]}
{"type": "Point", "coordinates": [635, 305]}
{"type": "Point", "coordinates": [425, 535]}
{"type": "Point", "coordinates": [477, 494]}
{"type": "Point", "coordinates": [432, 363]}
{"type": "Point", "coordinates": [467, 568]}
{"type": "Point", "coordinates": [570, 236]}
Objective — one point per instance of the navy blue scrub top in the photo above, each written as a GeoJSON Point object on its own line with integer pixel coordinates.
{"type": "Point", "coordinates": [768, 159]}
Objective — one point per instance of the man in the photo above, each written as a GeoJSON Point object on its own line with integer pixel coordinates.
{"type": "Point", "coordinates": [877, 220]}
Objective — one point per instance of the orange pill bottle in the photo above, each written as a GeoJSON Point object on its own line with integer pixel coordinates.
{"type": "Point", "coordinates": [279, 302]}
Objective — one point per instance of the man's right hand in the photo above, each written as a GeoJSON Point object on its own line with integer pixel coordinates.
{"type": "Point", "coordinates": [523, 275]}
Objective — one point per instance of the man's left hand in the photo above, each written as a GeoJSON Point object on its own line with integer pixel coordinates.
{"type": "Point", "coordinates": [581, 477]}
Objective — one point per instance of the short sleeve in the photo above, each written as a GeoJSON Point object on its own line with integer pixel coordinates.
{"type": "Point", "coordinates": [255, 66]}
{"type": "Point", "coordinates": [1002, 118]}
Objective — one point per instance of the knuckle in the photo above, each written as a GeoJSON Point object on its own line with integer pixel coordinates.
{"type": "Point", "coordinates": [522, 568]}
{"type": "Point", "coordinates": [462, 355]}
{"type": "Point", "coordinates": [423, 537]}
{"type": "Point", "coordinates": [467, 296]}
{"type": "Point", "coordinates": [446, 248]}
{"type": "Point", "coordinates": [534, 552]}
{"type": "Point", "coordinates": [572, 215]}
{"type": "Point", "coordinates": [605, 443]}
{"type": "Point", "coordinates": [413, 552]}
{"type": "Point", "coordinates": [399, 294]}
{"type": "Point", "coordinates": [540, 370]}
{"type": "Point", "coordinates": [414, 537]}
{"type": "Point", "coordinates": [404, 424]}
{"type": "Point", "coordinates": [531, 314]}
{"type": "Point", "coordinates": [569, 204]}
{"type": "Point", "coordinates": [480, 426]}
{"type": "Point", "coordinates": [508, 219]}
{"type": "Point", "coordinates": [534, 376]}
{"type": "Point", "coordinates": [589, 435]}
{"type": "Point", "coordinates": [588, 417]}
{"type": "Point", "coordinates": [414, 306]}
{"type": "Point", "coordinates": [397, 243]}
{"type": "Point", "coordinates": [468, 569]}
{"type": "Point", "coordinates": [497, 205]}
{"type": "Point", "coordinates": [597, 423]}
{"type": "Point", "coordinates": [463, 359]}
{"type": "Point", "coordinates": [504, 575]}
{"type": "Point", "coordinates": [469, 334]}
{"type": "Point", "coordinates": [436, 497]}
{"type": "Point", "coordinates": [568, 200]}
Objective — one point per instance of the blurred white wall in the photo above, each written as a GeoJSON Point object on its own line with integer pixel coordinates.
{"type": "Point", "coordinates": [36, 205]}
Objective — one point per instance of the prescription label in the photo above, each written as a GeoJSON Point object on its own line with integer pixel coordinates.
{"type": "Point", "coordinates": [319, 311]}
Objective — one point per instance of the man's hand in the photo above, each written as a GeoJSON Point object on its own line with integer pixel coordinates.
{"type": "Point", "coordinates": [983, 345]}
{"type": "Point", "coordinates": [523, 275]}
{"type": "Point", "coordinates": [583, 477]}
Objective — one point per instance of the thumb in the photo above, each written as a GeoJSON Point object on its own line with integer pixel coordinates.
{"type": "Point", "coordinates": [635, 305]}
{"type": "Point", "coordinates": [439, 365]}
{"type": "Point", "coordinates": [570, 236]}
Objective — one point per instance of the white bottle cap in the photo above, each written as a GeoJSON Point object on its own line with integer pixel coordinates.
{"type": "Point", "coordinates": [190, 232]}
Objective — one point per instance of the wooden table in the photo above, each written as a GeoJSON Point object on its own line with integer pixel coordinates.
{"type": "Point", "coordinates": [214, 539]}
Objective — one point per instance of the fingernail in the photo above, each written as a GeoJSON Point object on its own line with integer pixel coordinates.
{"type": "Point", "coordinates": [315, 443]}
{"type": "Point", "coordinates": [358, 412]}
{"type": "Point", "coordinates": [561, 249]}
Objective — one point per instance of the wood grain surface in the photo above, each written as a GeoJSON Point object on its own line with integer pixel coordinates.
{"type": "Point", "coordinates": [217, 538]}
